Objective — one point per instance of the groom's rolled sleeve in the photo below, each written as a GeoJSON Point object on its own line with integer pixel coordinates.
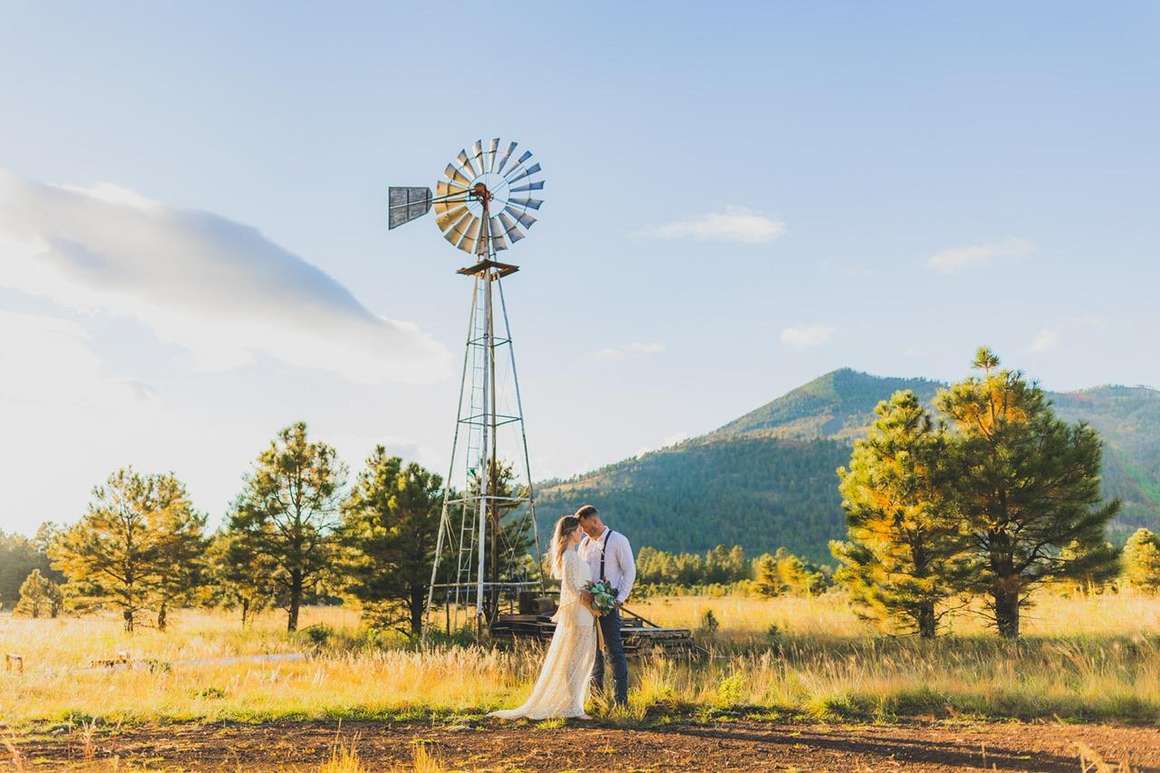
{"type": "Point", "coordinates": [628, 569]}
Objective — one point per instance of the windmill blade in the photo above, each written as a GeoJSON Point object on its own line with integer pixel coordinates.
{"type": "Point", "coordinates": [491, 151]}
{"type": "Point", "coordinates": [497, 232]}
{"type": "Point", "coordinates": [536, 186]}
{"type": "Point", "coordinates": [454, 175]}
{"type": "Point", "coordinates": [506, 156]}
{"type": "Point", "coordinates": [457, 231]}
{"type": "Point", "coordinates": [509, 228]}
{"type": "Point", "coordinates": [477, 154]}
{"type": "Point", "coordinates": [531, 170]}
{"type": "Point", "coordinates": [527, 203]}
{"type": "Point", "coordinates": [524, 218]}
{"type": "Point", "coordinates": [465, 162]}
{"type": "Point", "coordinates": [469, 238]}
{"type": "Point", "coordinates": [449, 189]}
{"type": "Point", "coordinates": [444, 221]}
{"type": "Point", "coordinates": [405, 204]}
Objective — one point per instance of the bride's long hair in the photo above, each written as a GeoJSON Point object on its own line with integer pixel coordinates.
{"type": "Point", "coordinates": [564, 530]}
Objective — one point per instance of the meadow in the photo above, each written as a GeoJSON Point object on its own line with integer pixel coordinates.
{"type": "Point", "coordinates": [1081, 659]}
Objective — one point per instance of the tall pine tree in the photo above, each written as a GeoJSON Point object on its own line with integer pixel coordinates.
{"type": "Point", "coordinates": [1027, 486]}
{"type": "Point", "coordinates": [389, 526]}
{"type": "Point", "coordinates": [134, 545]}
{"type": "Point", "coordinates": [288, 510]}
{"type": "Point", "coordinates": [905, 548]}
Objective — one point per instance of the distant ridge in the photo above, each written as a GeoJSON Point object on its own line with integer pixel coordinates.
{"type": "Point", "coordinates": [834, 405]}
{"type": "Point", "coordinates": [767, 478]}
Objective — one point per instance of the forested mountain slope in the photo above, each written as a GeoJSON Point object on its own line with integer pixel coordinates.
{"type": "Point", "coordinates": [767, 478]}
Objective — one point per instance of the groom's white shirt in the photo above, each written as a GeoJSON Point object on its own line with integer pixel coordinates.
{"type": "Point", "coordinates": [619, 565]}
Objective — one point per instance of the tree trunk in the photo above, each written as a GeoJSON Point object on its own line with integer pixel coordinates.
{"type": "Point", "coordinates": [245, 611]}
{"type": "Point", "coordinates": [295, 601]}
{"type": "Point", "coordinates": [927, 622]}
{"type": "Point", "coordinates": [417, 601]}
{"type": "Point", "coordinates": [161, 616]}
{"type": "Point", "coordinates": [127, 616]}
{"type": "Point", "coordinates": [1006, 600]}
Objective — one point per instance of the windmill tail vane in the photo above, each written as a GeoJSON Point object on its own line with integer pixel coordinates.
{"type": "Point", "coordinates": [484, 202]}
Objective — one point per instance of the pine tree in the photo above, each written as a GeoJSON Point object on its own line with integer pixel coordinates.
{"type": "Point", "coordinates": [132, 545]}
{"type": "Point", "coordinates": [288, 509]}
{"type": "Point", "coordinates": [240, 577]}
{"type": "Point", "coordinates": [1141, 561]}
{"type": "Point", "coordinates": [767, 579]}
{"type": "Point", "coordinates": [39, 596]}
{"type": "Point", "coordinates": [178, 535]}
{"type": "Point", "coordinates": [1027, 486]}
{"type": "Point", "coordinates": [389, 526]}
{"type": "Point", "coordinates": [905, 546]}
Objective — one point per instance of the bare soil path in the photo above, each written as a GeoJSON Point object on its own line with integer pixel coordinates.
{"type": "Point", "coordinates": [741, 745]}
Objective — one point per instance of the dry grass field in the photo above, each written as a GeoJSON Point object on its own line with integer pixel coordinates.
{"type": "Point", "coordinates": [795, 660]}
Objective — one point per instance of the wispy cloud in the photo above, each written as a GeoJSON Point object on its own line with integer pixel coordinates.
{"type": "Point", "coordinates": [623, 352]}
{"type": "Point", "coordinates": [1070, 329]}
{"type": "Point", "coordinates": [958, 258]}
{"type": "Point", "coordinates": [1045, 340]}
{"type": "Point", "coordinates": [807, 336]}
{"type": "Point", "coordinates": [49, 361]}
{"type": "Point", "coordinates": [734, 224]}
{"type": "Point", "coordinates": [216, 287]}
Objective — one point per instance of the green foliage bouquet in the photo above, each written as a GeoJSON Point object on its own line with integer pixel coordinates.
{"type": "Point", "coordinates": [603, 596]}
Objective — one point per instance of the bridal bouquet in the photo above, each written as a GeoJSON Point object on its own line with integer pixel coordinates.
{"type": "Point", "coordinates": [603, 596]}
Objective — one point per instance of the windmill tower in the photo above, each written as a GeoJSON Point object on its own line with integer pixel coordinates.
{"type": "Point", "coordinates": [487, 527]}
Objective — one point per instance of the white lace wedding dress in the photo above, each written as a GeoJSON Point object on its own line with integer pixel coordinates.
{"type": "Point", "coordinates": [562, 686]}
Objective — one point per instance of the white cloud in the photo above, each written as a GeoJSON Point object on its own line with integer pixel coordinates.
{"type": "Point", "coordinates": [48, 361]}
{"type": "Point", "coordinates": [806, 336]}
{"type": "Point", "coordinates": [618, 353]}
{"type": "Point", "coordinates": [1045, 340]}
{"type": "Point", "coordinates": [958, 258]}
{"type": "Point", "coordinates": [213, 286]}
{"type": "Point", "coordinates": [735, 224]}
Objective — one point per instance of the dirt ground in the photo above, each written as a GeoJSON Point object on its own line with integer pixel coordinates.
{"type": "Point", "coordinates": [743, 745]}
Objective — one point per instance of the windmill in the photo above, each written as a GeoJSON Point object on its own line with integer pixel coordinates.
{"type": "Point", "coordinates": [483, 204]}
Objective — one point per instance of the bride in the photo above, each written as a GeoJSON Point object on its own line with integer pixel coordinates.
{"type": "Point", "coordinates": [562, 686]}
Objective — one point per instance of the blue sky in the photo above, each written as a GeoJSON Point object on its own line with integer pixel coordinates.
{"type": "Point", "coordinates": [739, 198]}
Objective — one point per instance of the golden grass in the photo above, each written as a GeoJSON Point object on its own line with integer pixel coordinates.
{"type": "Point", "coordinates": [1083, 658]}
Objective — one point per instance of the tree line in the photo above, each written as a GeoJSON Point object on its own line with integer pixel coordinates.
{"type": "Point", "coordinates": [294, 534]}
{"type": "Point", "coordinates": [769, 574]}
{"type": "Point", "coordinates": [992, 497]}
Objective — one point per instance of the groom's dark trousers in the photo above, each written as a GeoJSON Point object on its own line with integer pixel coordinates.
{"type": "Point", "coordinates": [610, 627]}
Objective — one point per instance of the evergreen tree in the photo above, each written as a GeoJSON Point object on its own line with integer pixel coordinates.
{"type": "Point", "coordinates": [905, 545]}
{"type": "Point", "coordinates": [130, 542]}
{"type": "Point", "coordinates": [178, 535]}
{"type": "Point", "coordinates": [39, 596]}
{"type": "Point", "coordinates": [19, 557]}
{"type": "Point", "coordinates": [1026, 484]}
{"type": "Point", "coordinates": [388, 531]}
{"type": "Point", "coordinates": [766, 577]}
{"type": "Point", "coordinates": [288, 509]}
{"type": "Point", "coordinates": [240, 576]}
{"type": "Point", "coordinates": [1141, 561]}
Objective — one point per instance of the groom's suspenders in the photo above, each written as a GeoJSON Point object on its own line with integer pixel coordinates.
{"type": "Point", "coordinates": [603, 548]}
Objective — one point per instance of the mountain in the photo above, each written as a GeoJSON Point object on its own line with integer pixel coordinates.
{"type": "Point", "coordinates": [767, 479]}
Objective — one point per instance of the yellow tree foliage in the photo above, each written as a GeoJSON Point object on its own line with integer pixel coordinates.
{"type": "Point", "coordinates": [1141, 561]}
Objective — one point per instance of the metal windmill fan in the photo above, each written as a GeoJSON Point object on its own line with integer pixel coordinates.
{"type": "Point", "coordinates": [483, 202]}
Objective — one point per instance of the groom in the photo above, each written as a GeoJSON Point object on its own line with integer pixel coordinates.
{"type": "Point", "coordinates": [609, 556]}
